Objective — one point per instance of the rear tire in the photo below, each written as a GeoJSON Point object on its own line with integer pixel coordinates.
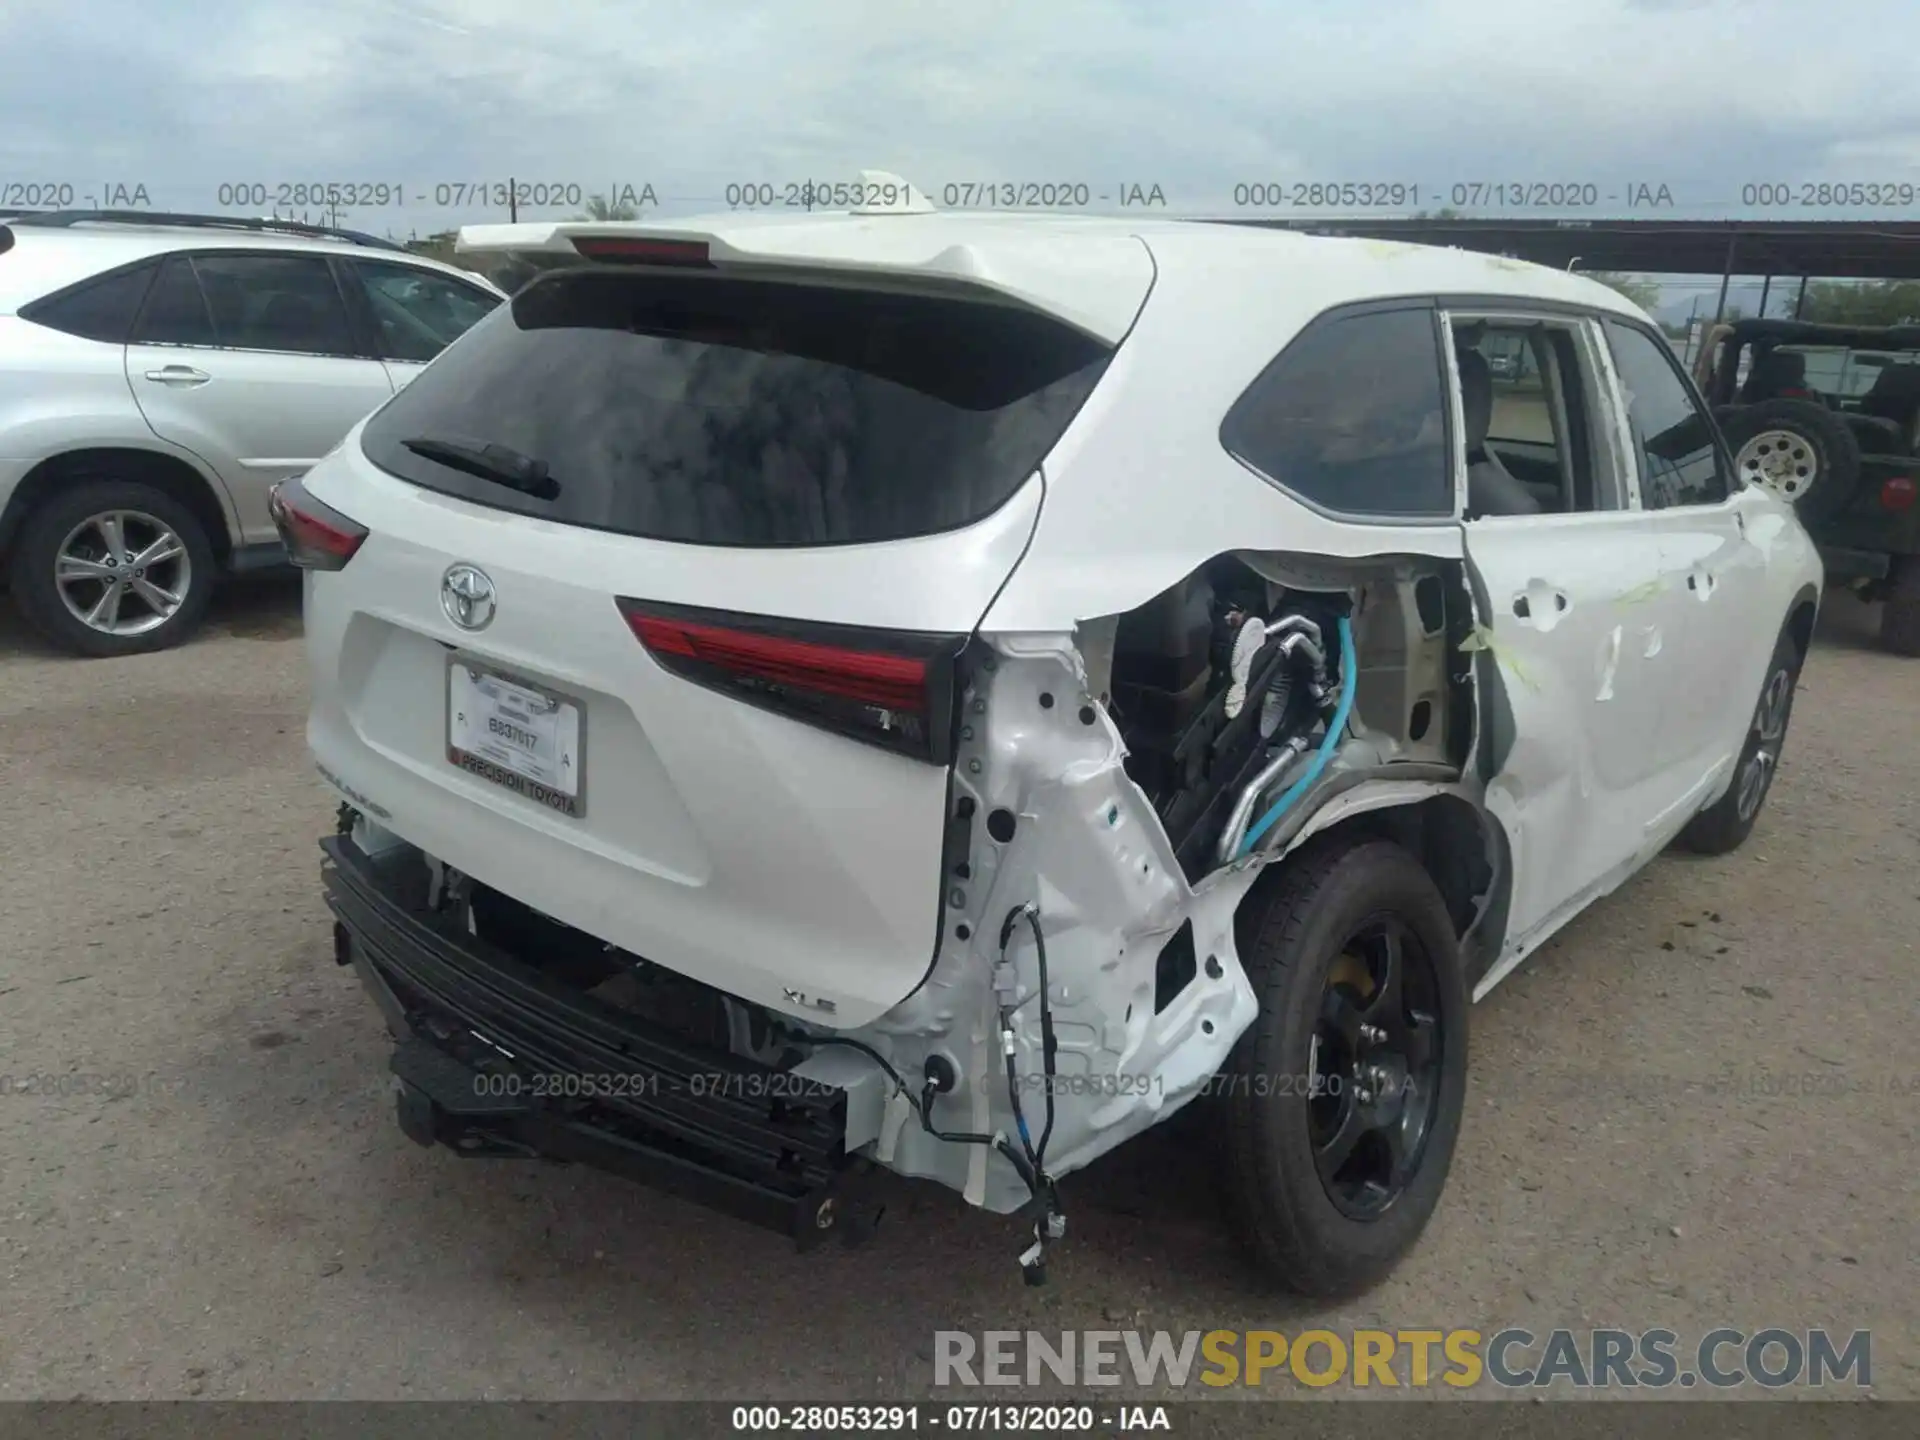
{"type": "Point", "coordinates": [1725, 825]}
{"type": "Point", "coordinates": [158, 604]}
{"type": "Point", "coordinates": [1900, 611]}
{"type": "Point", "coordinates": [1801, 451]}
{"type": "Point", "coordinates": [1303, 938]}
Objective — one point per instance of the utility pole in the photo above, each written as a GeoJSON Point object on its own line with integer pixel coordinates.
{"type": "Point", "coordinates": [513, 200]}
{"type": "Point", "coordinates": [1726, 276]}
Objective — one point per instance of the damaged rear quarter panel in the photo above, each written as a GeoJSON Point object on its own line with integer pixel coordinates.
{"type": "Point", "coordinates": [1088, 848]}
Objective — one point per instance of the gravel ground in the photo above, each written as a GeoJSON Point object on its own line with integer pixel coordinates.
{"type": "Point", "coordinates": [250, 1222]}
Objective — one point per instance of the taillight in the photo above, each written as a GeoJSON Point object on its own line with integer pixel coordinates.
{"type": "Point", "coordinates": [890, 688]}
{"type": "Point", "coordinates": [1897, 494]}
{"type": "Point", "coordinates": [317, 536]}
{"type": "Point", "coordinates": [640, 250]}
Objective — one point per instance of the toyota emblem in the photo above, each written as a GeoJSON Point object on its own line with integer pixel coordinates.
{"type": "Point", "coordinates": [466, 594]}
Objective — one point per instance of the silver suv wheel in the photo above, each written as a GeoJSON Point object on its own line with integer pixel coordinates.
{"type": "Point", "coordinates": [123, 572]}
{"type": "Point", "coordinates": [113, 567]}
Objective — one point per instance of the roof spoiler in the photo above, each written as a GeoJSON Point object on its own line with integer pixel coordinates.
{"type": "Point", "coordinates": [880, 193]}
{"type": "Point", "coordinates": [1098, 290]}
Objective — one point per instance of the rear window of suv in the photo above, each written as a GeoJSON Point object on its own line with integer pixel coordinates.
{"type": "Point", "coordinates": [745, 413]}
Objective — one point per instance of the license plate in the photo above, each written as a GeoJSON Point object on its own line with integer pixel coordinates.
{"type": "Point", "coordinates": [517, 735]}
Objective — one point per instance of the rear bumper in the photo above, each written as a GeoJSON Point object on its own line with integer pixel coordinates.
{"type": "Point", "coordinates": [495, 1059]}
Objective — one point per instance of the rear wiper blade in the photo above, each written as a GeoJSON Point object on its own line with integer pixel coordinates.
{"type": "Point", "coordinates": [499, 463]}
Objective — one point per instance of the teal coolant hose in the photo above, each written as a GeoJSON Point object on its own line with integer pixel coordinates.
{"type": "Point", "coordinates": [1349, 675]}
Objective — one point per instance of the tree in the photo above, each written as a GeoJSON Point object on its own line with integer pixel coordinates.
{"type": "Point", "coordinates": [599, 207]}
{"type": "Point", "coordinates": [1862, 302]}
{"type": "Point", "coordinates": [1638, 288]}
{"type": "Point", "coordinates": [512, 271]}
{"type": "Point", "coordinates": [439, 246]}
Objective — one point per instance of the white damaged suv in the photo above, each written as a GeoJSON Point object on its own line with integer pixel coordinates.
{"type": "Point", "coordinates": [940, 693]}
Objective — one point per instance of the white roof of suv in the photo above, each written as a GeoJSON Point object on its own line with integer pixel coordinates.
{"type": "Point", "coordinates": [1099, 280]}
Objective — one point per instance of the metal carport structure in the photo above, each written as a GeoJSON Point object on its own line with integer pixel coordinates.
{"type": "Point", "coordinates": [1824, 249]}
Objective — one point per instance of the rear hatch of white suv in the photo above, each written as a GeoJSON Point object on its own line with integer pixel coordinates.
{"type": "Point", "coordinates": [644, 602]}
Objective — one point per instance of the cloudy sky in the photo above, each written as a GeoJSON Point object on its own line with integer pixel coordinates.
{"type": "Point", "coordinates": [1194, 96]}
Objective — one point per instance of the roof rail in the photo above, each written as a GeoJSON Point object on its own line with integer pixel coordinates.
{"type": "Point", "coordinates": [63, 219]}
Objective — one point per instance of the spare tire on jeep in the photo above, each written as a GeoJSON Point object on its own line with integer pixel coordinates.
{"type": "Point", "coordinates": [1798, 449]}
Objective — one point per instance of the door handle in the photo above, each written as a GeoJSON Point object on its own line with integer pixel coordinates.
{"type": "Point", "coordinates": [178, 375]}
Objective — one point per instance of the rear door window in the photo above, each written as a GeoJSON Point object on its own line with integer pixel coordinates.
{"type": "Point", "coordinates": [742, 412]}
{"type": "Point", "coordinates": [176, 310]}
{"type": "Point", "coordinates": [286, 303]}
{"type": "Point", "coordinates": [1527, 395]}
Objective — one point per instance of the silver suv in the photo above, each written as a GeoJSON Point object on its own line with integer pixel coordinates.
{"type": "Point", "coordinates": [159, 374]}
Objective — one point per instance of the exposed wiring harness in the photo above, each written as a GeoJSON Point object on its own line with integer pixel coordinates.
{"type": "Point", "coordinates": [922, 1107]}
{"type": "Point", "coordinates": [1336, 727]}
{"type": "Point", "coordinates": [1050, 1222]}
{"type": "Point", "coordinates": [1028, 1158]}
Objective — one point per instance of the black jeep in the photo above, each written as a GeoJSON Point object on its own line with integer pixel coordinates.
{"type": "Point", "coordinates": [1828, 416]}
